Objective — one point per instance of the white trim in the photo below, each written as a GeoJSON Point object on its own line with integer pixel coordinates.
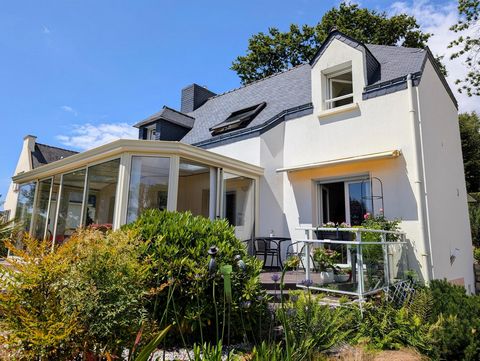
{"type": "Point", "coordinates": [391, 154]}
{"type": "Point", "coordinates": [338, 110]}
{"type": "Point", "coordinates": [173, 175]}
{"type": "Point", "coordinates": [155, 148]}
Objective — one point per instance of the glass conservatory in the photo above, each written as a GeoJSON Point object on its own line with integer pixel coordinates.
{"type": "Point", "coordinates": [113, 184]}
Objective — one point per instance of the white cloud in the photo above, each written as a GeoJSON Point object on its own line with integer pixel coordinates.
{"type": "Point", "coordinates": [437, 19]}
{"type": "Point", "coordinates": [69, 109]}
{"type": "Point", "coordinates": [46, 30]}
{"type": "Point", "coordinates": [89, 136]}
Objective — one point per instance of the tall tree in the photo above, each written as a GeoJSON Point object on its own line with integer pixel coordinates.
{"type": "Point", "coordinates": [470, 136]}
{"type": "Point", "coordinates": [277, 51]}
{"type": "Point", "coordinates": [469, 11]}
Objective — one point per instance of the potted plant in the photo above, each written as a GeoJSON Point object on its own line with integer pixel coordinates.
{"type": "Point", "coordinates": [342, 275]}
{"type": "Point", "coordinates": [335, 233]}
{"type": "Point", "coordinates": [324, 260]}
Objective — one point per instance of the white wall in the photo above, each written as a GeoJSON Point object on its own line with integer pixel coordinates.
{"type": "Point", "coordinates": [288, 200]}
{"type": "Point", "coordinates": [24, 164]}
{"type": "Point", "coordinates": [445, 182]}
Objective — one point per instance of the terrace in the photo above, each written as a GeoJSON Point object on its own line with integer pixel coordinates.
{"type": "Point", "coordinates": [355, 262]}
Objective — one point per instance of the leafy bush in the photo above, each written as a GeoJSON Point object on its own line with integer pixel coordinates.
{"type": "Point", "coordinates": [33, 321]}
{"type": "Point", "coordinates": [386, 327]}
{"type": "Point", "coordinates": [104, 286]}
{"type": "Point", "coordinates": [457, 318]}
{"type": "Point", "coordinates": [176, 246]}
{"type": "Point", "coordinates": [85, 298]}
{"type": "Point", "coordinates": [307, 320]}
{"type": "Point", "coordinates": [476, 254]}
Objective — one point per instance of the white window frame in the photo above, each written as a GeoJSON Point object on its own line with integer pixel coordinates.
{"type": "Point", "coordinates": [329, 101]}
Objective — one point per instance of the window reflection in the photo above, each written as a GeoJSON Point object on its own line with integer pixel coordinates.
{"type": "Point", "coordinates": [148, 185]}
{"type": "Point", "coordinates": [41, 208]}
{"type": "Point", "coordinates": [70, 210]}
{"type": "Point", "coordinates": [26, 196]}
{"type": "Point", "coordinates": [193, 188]}
{"type": "Point", "coordinates": [102, 188]}
{"type": "Point", "coordinates": [238, 204]}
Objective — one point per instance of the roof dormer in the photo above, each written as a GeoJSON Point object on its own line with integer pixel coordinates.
{"type": "Point", "coordinates": [341, 69]}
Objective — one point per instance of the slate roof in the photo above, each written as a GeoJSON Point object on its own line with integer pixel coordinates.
{"type": "Point", "coordinates": [280, 92]}
{"type": "Point", "coordinates": [171, 115]}
{"type": "Point", "coordinates": [290, 91]}
{"type": "Point", "coordinates": [44, 154]}
{"type": "Point", "coordinates": [396, 61]}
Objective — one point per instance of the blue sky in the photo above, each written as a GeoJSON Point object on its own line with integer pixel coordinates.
{"type": "Point", "coordinates": [78, 73]}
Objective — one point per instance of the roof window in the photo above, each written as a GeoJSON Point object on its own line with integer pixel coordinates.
{"type": "Point", "coordinates": [238, 119]}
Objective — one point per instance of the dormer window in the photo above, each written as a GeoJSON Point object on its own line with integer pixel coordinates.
{"type": "Point", "coordinates": [152, 132]}
{"type": "Point", "coordinates": [339, 89]}
{"type": "Point", "coordinates": [238, 119]}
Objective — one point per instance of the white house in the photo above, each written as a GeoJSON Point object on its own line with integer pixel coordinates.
{"type": "Point", "coordinates": [361, 128]}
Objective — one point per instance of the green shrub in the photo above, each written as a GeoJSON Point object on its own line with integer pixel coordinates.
{"type": "Point", "coordinates": [34, 321]}
{"type": "Point", "coordinates": [105, 286]}
{"type": "Point", "coordinates": [176, 246]}
{"type": "Point", "coordinates": [457, 319]}
{"type": "Point", "coordinates": [85, 298]}
{"type": "Point", "coordinates": [307, 320]}
{"type": "Point", "coordinates": [386, 327]}
{"type": "Point", "coordinates": [476, 254]}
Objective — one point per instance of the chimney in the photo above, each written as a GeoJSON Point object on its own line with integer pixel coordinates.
{"type": "Point", "coordinates": [29, 142]}
{"type": "Point", "coordinates": [193, 97]}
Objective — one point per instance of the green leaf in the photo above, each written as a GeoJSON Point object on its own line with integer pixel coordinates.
{"type": "Point", "coordinates": [152, 345]}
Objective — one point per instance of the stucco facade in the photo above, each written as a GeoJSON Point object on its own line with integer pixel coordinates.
{"type": "Point", "coordinates": [389, 144]}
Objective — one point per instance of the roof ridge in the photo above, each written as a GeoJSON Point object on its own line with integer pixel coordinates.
{"type": "Point", "coordinates": [396, 46]}
{"type": "Point", "coordinates": [257, 81]}
{"type": "Point", "coordinates": [51, 146]}
{"type": "Point", "coordinates": [177, 111]}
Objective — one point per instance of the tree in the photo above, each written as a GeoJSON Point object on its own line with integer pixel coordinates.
{"type": "Point", "coordinates": [469, 11]}
{"type": "Point", "coordinates": [470, 137]}
{"type": "Point", "coordinates": [278, 51]}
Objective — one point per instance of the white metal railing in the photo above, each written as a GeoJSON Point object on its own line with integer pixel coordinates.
{"type": "Point", "coordinates": [358, 264]}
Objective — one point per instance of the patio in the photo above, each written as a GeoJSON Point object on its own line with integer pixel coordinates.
{"type": "Point", "coordinates": [355, 262]}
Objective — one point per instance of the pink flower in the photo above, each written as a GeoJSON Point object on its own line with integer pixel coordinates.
{"type": "Point", "coordinates": [381, 210]}
{"type": "Point", "coordinates": [366, 216]}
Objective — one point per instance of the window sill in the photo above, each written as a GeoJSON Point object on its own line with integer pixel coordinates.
{"type": "Point", "coordinates": [338, 110]}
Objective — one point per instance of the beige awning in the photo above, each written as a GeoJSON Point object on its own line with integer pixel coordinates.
{"type": "Point", "coordinates": [332, 162]}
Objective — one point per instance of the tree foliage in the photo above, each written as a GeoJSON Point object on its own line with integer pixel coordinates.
{"type": "Point", "coordinates": [277, 51]}
{"type": "Point", "coordinates": [470, 136]}
{"type": "Point", "coordinates": [469, 11]}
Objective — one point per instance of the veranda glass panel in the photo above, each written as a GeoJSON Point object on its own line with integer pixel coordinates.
{"type": "Point", "coordinates": [26, 197]}
{"type": "Point", "coordinates": [102, 188]}
{"type": "Point", "coordinates": [193, 188]}
{"type": "Point", "coordinates": [70, 211]}
{"type": "Point", "coordinates": [41, 208]}
{"type": "Point", "coordinates": [53, 207]}
{"type": "Point", "coordinates": [148, 185]}
{"type": "Point", "coordinates": [239, 204]}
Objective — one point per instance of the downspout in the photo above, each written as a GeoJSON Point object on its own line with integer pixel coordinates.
{"type": "Point", "coordinates": [421, 195]}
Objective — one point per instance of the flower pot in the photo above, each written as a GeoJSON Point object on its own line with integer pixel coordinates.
{"type": "Point", "coordinates": [342, 278]}
{"type": "Point", "coordinates": [335, 235]}
{"type": "Point", "coordinates": [326, 277]}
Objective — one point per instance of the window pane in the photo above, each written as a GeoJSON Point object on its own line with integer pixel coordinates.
{"type": "Point", "coordinates": [360, 201]}
{"type": "Point", "coordinates": [239, 204]}
{"type": "Point", "coordinates": [26, 195]}
{"type": "Point", "coordinates": [53, 207]}
{"type": "Point", "coordinates": [102, 188]}
{"type": "Point", "coordinates": [41, 208]}
{"type": "Point", "coordinates": [193, 188]}
{"type": "Point", "coordinates": [70, 211]}
{"type": "Point", "coordinates": [148, 185]}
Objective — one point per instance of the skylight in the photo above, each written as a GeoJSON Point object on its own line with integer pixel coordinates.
{"type": "Point", "coordinates": [238, 119]}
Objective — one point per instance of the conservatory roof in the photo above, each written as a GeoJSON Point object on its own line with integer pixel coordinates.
{"type": "Point", "coordinates": [116, 148]}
